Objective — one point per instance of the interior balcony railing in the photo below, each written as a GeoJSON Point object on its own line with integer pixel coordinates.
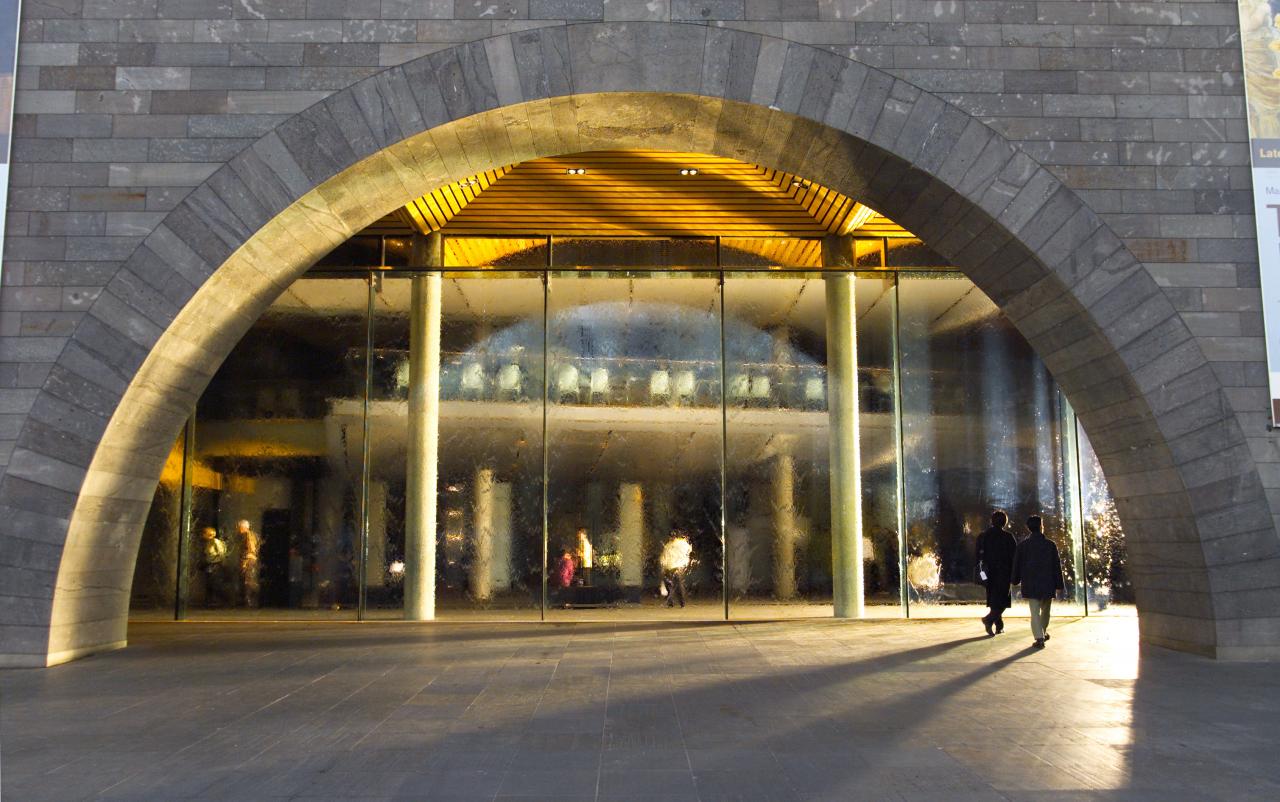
{"type": "Point", "coordinates": [516, 376]}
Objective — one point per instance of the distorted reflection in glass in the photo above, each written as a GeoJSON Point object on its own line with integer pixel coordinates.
{"type": "Point", "coordinates": [279, 501]}
{"type": "Point", "coordinates": [488, 530]}
{"type": "Point", "coordinates": [982, 430]}
{"type": "Point", "coordinates": [633, 440]}
{"type": "Point", "coordinates": [779, 527]}
{"type": "Point", "coordinates": [878, 446]}
{"type": "Point", "coordinates": [778, 503]}
{"type": "Point", "coordinates": [643, 253]}
{"type": "Point", "coordinates": [277, 464]}
{"type": "Point", "coordinates": [1106, 560]}
{"type": "Point", "coordinates": [155, 574]}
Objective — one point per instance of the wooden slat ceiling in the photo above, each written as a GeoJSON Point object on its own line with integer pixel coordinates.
{"type": "Point", "coordinates": [637, 193]}
{"type": "Point", "coordinates": [433, 211]}
{"type": "Point", "coordinates": [643, 194]}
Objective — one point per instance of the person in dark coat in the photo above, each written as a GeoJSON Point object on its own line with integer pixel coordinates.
{"type": "Point", "coordinates": [1037, 567]}
{"type": "Point", "coordinates": [996, 549]}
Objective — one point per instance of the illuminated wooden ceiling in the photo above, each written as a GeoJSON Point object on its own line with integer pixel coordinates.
{"type": "Point", "coordinates": [637, 193]}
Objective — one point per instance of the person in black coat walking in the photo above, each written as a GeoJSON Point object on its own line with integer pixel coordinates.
{"type": "Point", "coordinates": [996, 550]}
{"type": "Point", "coordinates": [1037, 567]}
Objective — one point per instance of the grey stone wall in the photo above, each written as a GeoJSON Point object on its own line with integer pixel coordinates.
{"type": "Point", "coordinates": [124, 106]}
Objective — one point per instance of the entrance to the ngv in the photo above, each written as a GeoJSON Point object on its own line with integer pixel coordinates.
{"type": "Point", "coordinates": [503, 400]}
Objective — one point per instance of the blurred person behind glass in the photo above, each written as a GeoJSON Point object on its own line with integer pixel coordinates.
{"type": "Point", "coordinates": [213, 556]}
{"type": "Point", "coordinates": [250, 547]}
{"type": "Point", "coordinates": [676, 555]}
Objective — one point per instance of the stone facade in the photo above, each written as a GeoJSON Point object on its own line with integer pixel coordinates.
{"type": "Point", "coordinates": [125, 106]}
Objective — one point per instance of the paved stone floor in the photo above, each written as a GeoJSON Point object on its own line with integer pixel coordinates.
{"type": "Point", "coordinates": [799, 710]}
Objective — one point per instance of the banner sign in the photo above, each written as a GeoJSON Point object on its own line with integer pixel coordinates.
{"type": "Point", "coordinates": [1260, 44]}
{"type": "Point", "coordinates": [8, 66]}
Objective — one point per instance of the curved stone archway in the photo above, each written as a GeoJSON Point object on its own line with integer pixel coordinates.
{"type": "Point", "coordinates": [1200, 534]}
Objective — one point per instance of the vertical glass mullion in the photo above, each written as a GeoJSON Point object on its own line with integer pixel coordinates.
{"type": "Point", "coordinates": [724, 453]}
{"type": "Point", "coordinates": [1075, 489]}
{"type": "Point", "coordinates": [546, 523]}
{"type": "Point", "coordinates": [184, 521]}
{"type": "Point", "coordinates": [363, 548]}
{"type": "Point", "coordinates": [898, 457]}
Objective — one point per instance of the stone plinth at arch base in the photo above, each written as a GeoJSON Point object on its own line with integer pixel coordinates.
{"type": "Point", "coordinates": [1203, 549]}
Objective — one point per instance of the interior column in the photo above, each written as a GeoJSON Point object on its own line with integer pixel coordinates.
{"type": "Point", "coordinates": [631, 533]}
{"type": "Point", "coordinates": [375, 561]}
{"type": "Point", "coordinates": [842, 416]}
{"type": "Point", "coordinates": [483, 509]}
{"type": "Point", "coordinates": [501, 536]}
{"type": "Point", "coordinates": [783, 500]}
{"type": "Point", "coordinates": [424, 430]}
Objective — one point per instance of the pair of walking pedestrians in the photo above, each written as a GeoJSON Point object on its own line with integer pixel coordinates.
{"type": "Point", "coordinates": [1034, 564]}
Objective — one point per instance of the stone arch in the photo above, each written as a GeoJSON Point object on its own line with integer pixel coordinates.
{"type": "Point", "coordinates": [81, 478]}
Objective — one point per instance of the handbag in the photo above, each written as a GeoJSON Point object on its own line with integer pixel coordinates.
{"type": "Point", "coordinates": [662, 588]}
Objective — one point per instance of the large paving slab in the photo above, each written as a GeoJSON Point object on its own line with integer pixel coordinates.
{"type": "Point", "coordinates": [670, 711]}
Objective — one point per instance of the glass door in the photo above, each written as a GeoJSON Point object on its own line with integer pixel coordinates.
{"type": "Point", "coordinates": [634, 446]}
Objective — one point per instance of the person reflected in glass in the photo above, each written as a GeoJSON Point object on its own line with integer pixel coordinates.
{"type": "Point", "coordinates": [213, 557]}
{"type": "Point", "coordinates": [250, 549]}
{"type": "Point", "coordinates": [586, 556]}
{"type": "Point", "coordinates": [677, 554]}
{"type": "Point", "coordinates": [996, 550]}
{"type": "Point", "coordinates": [1038, 569]}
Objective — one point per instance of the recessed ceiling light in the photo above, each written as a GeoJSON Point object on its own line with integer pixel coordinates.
{"type": "Point", "coordinates": [688, 171]}
{"type": "Point", "coordinates": [576, 171]}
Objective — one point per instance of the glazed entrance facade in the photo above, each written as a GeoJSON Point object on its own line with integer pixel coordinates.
{"type": "Point", "coordinates": [596, 396]}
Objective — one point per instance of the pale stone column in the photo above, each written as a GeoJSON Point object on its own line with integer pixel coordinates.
{"type": "Point", "coordinates": [842, 416]}
{"type": "Point", "coordinates": [502, 535]}
{"type": "Point", "coordinates": [631, 533]}
{"type": "Point", "coordinates": [782, 487]}
{"type": "Point", "coordinates": [482, 511]}
{"type": "Point", "coordinates": [375, 563]}
{"type": "Point", "coordinates": [424, 432]}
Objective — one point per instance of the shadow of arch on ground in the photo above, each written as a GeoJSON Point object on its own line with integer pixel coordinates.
{"type": "Point", "coordinates": [83, 473]}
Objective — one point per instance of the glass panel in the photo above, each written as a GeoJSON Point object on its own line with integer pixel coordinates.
{"type": "Point", "coordinates": [397, 251]}
{"type": "Point", "coordinates": [770, 252]}
{"type": "Point", "coordinates": [634, 443]}
{"type": "Point", "coordinates": [779, 534]}
{"type": "Point", "coordinates": [155, 574]}
{"type": "Point", "coordinates": [495, 252]}
{"type": "Point", "coordinates": [646, 253]}
{"type": "Point", "coordinates": [911, 253]}
{"type": "Point", "coordinates": [981, 431]}
{"type": "Point", "coordinates": [878, 447]}
{"type": "Point", "coordinates": [1106, 561]}
{"type": "Point", "coordinates": [778, 538]}
{"type": "Point", "coordinates": [489, 509]}
{"type": "Point", "coordinates": [868, 253]}
{"type": "Point", "coordinates": [277, 458]}
{"type": "Point", "coordinates": [363, 252]}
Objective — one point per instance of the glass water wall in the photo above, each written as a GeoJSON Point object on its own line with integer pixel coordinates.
{"type": "Point", "coordinates": [634, 440]}
{"type": "Point", "coordinates": [778, 433]}
{"type": "Point", "coordinates": [489, 463]}
{"type": "Point", "coordinates": [615, 442]}
{"type": "Point", "coordinates": [275, 463]}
